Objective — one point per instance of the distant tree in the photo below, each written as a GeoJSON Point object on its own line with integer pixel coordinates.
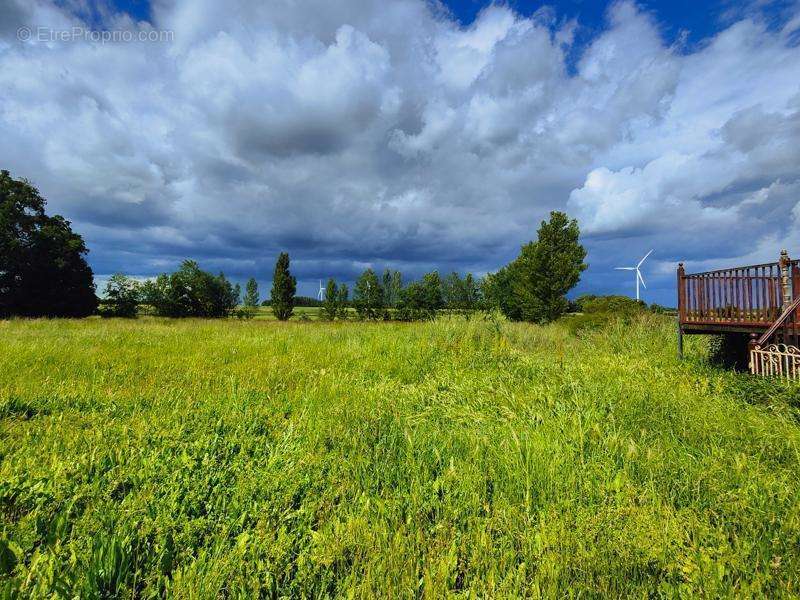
{"type": "Point", "coordinates": [432, 286]}
{"type": "Point", "coordinates": [190, 292]}
{"type": "Point", "coordinates": [548, 268]}
{"type": "Point", "coordinates": [330, 307]}
{"type": "Point", "coordinates": [392, 286]}
{"type": "Point", "coordinates": [307, 301]}
{"type": "Point", "coordinates": [472, 292]}
{"type": "Point", "coordinates": [412, 304]}
{"type": "Point", "coordinates": [43, 271]}
{"type": "Point", "coordinates": [122, 295]}
{"type": "Point", "coordinates": [460, 294]}
{"type": "Point", "coordinates": [284, 286]}
{"type": "Point", "coordinates": [251, 293]}
{"type": "Point", "coordinates": [498, 293]}
{"type": "Point", "coordinates": [237, 293]}
{"type": "Point", "coordinates": [368, 296]}
{"type": "Point", "coordinates": [341, 302]}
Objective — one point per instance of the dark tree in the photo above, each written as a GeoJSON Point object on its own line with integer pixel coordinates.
{"type": "Point", "coordinates": [284, 285]}
{"type": "Point", "coordinates": [122, 296]}
{"type": "Point", "coordinates": [548, 268]}
{"type": "Point", "coordinates": [368, 296]}
{"type": "Point", "coordinates": [330, 307]}
{"type": "Point", "coordinates": [43, 272]}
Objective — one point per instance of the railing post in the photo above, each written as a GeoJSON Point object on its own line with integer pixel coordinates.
{"type": "Point", "coordinates": [786, 281]}
{"type": "Point", "coordinates": [752, 344]}
{"type": "Point", "coordinates": [681, 307]}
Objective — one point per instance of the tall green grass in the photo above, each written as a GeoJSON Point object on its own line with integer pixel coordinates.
{"type": "Point", "coordinates": [199, 459]}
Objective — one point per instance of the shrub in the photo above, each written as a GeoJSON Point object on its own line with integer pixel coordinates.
{"type": "Point", "coordinates": [619, 305]}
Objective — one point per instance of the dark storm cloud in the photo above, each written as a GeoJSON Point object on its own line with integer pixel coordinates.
{"type": "Point", "coordinates": [359, 134]}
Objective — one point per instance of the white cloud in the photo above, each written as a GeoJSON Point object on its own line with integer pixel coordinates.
{"type": "Point", "coordinates": [361, 132]}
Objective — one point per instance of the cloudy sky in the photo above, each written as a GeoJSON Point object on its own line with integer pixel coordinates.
{"type": "Point", "coordinates": [408, 134]}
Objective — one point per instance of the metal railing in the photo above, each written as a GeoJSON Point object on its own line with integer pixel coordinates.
{"type": "Point", "coordinates": [776, 360]}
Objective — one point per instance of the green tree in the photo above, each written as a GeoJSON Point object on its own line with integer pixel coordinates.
{"type": "Point", "coordinates": [472, 292]}
{"type": "Point", "coordinates": [251, 293]}
{"type": "Point", "coordinates": [547, 269]}
{"type": "Point", "coordinates": [190, 292]}
{"type": "Point", "coordinates": [330, 306]}
{"type": "Point", "coordinates": [43, 271]}
{"type": "Point", "coordinates": [453, 291]}
{"type": "Point", "coordinates": [122, 295]}
{"type": "Point", "coordinates": [460, 294]}
{"type": "Point", "coordinates": [341, 302]}
{"type": "Point", "coordinates": [284, 286]}
{"type": "Point", "coordinates": [498, 293]}
{"type": "Point", "coordinates": [432, 286]}
{"type": "Point", "coordinates": [392, 286]}
{"type": "Point", "coordinates": [412, 302]}
{"type": "Point", "coordinates": [368, 296]}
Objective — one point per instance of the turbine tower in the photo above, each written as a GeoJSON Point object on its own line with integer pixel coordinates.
{"type": "Point", "coordinates": [639, 277]}
{"type": "Point", "coordinates": [321, 292]}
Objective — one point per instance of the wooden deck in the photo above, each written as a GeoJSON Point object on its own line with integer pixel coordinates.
{"type": "Point", "coordinates": [741, 299]}
{"type": "Point", "coordinates": [760, 300]}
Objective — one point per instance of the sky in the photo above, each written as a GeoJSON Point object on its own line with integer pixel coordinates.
{"type": "Point", "coordinates": [408, 134]}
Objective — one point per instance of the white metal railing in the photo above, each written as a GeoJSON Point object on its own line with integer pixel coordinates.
{"type": "Point", "coordinates": [775, 360]}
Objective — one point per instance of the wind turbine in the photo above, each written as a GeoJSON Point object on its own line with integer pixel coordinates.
{"type": "Point", "coordinates": [639, 277]}
{"type": "Point", "coordinates": [321, 292]}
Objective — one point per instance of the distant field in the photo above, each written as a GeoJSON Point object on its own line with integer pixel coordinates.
{"type": "Point", "coordinates": [264, 313]}
{"type": "Point", "coordinates": [236, 458]}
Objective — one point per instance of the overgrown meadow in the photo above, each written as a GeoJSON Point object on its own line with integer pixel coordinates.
{"type": "Point", "coordinates": [201, 459]}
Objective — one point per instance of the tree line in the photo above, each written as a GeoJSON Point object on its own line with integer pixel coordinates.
{"type": "Point", "coordinates": [43, 272]}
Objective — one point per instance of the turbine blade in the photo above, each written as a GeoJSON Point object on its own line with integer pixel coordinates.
{"type": "Point", "coordinates": [639, 275]}
{"type": "Point", "coordinates": [644, 259]}
{"type": "Point", "coordinates": [624, 268]}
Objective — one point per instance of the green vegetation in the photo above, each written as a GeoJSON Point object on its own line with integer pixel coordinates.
{"type": "Point", "coordinates": [210, 458]}
{"type": "Point", "coordinates": [368, 298]}
{"type": "Point", "coordinates": [191, 292]}
{"type": "Point", "coordinates": [121, 297]}
{"type": "Point", "coordinates": [43, 270]}
{"type": "Point", "coordinates": [284, 286]}
{"type": "Point", "coordinates": [534, 286]}
{"type": "Point", "coordinates": [335, 303]}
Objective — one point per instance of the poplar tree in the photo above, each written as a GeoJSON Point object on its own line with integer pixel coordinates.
{"type": "Point", "coordinates": [284, 286]}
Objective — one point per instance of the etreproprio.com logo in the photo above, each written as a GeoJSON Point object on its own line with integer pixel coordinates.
{"type": "Point", "coordinates": [97, 36]}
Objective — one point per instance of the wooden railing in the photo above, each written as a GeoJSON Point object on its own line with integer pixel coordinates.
{"type": "Point", "coordinates": [742, 296]}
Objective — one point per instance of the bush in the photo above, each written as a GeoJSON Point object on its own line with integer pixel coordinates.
{"type": "Point", "coordinates": [577, 324]}
{"type": "Point", "coordinates": [619, 305]}
{"type": "Point", "coordinates": [190, 292]}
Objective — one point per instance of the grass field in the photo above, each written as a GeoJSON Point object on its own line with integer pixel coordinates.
{"type": "Point", "coordinates": [200, 459]}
